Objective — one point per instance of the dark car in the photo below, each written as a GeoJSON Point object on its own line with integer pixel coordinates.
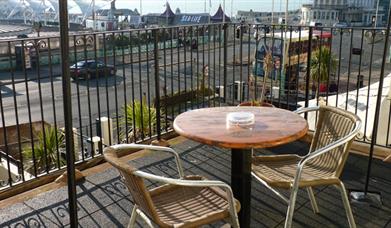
{"type": "Point", "coordinates": [91, 68]}
{"type": "Point", "coordinates": [20, 36]}
{"type": "Point", "coordinates": [341, 25]}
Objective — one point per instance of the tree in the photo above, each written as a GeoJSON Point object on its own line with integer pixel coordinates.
{"type": "Point", "coordinates": [323, 63]}
{"type": "Point", "coordinates": [45, 149]}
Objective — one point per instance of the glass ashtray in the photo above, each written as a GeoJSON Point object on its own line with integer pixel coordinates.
{"type": "Point", "coordinates": [240, 119]}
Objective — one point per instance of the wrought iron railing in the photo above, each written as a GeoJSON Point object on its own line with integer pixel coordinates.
{"type": "Point", "coordinates": [139, 80]}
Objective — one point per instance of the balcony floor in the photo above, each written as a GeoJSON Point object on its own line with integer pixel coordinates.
{"type": "Point", "coordinates": [104, 201]}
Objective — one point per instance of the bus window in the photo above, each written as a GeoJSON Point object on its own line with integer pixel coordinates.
{"type": "Point", "coordinates": [268, 44]}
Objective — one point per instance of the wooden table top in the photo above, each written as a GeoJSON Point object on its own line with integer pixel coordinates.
{"type": "Point", "coordinates": [272, 127]}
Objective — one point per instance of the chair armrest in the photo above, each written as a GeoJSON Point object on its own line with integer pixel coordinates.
{"type": "Point", "coordinates": [306, 109]}
{"type": "Point", "coordinates": [154, 148]}
{"type": "Point", "coordinates": [193, 183]}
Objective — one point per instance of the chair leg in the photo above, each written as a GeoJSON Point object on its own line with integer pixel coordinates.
{"type": "Point", "coordinates": [133, 217]}
{"type": "Point", "coordinates": [291, 207]}
{"type": "Point", "coordinates": [145, 218]}
{"type": "Point", "coordinates": [346, 204]}
{"type": "Point", "coordinates": [235, 222]}
{"type": "Point", "coordinates": [231, 222]}
{"type": "Point", "coordinates": [311, 195]}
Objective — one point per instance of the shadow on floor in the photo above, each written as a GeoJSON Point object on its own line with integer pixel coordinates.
{"type": "Point", "coordinates": [104, 201]}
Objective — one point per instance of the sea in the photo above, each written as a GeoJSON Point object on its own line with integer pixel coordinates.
{"type": "Point", "coordinates": [206, 6]}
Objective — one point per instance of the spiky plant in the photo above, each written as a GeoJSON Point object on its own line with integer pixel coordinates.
{"type": "Point", "coordinates": [323, 63]}
{"type": "Point", "coordinates": [139, 117]}
{"type": "Point", "coordinates": [267, 68]}
{"type": "Point", "coordinates": [45, 150]}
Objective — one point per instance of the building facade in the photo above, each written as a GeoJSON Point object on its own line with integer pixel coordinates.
{"type": "Point", "coordinates": [353, 12]}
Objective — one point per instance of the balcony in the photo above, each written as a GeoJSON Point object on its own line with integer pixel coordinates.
{"type": "Point", "coordinates": [128, 86]}
{"type": "Point", "coordinates": [103, 200]}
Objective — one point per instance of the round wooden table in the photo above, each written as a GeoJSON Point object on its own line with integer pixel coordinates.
{"type": "Point", "coordinates": [272, 127]}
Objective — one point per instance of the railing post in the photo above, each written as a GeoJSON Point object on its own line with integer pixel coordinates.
{"type": "Point", "coordinates": [378, 103]}
{"type": "Point", "coordinates": [225, 27]}
{"type": "Point", "coordinates": [155, 34]}
{"type": "Point", "coordinates": [66, 90]}
{"type": "Point", "coordinates": [307, 79]}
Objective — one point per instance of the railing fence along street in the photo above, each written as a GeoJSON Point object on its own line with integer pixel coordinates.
{"type": "Point", "coordinates": [158, 73]}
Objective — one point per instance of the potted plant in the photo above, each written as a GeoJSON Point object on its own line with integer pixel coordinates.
{"type": "Point", "coordinates": [267, 68]}
{"type": "Point", "coordinates": [323, 64]}
{"type": "Point", "coordinates": [139, 117]}
{"type": "Point", "coordinates": [45, 150]}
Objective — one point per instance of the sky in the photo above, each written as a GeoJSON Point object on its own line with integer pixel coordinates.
{"type": "Point", "coordinates": [197, 6]}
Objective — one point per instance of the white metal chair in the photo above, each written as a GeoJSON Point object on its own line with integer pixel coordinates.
{"type": "Point", "coordinates": [189, 201]}
{"type": "Point", "coordinates": [323, 165]}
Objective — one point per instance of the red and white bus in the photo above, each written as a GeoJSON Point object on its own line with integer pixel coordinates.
{"type": "Point", "coordinates": [290, 51]}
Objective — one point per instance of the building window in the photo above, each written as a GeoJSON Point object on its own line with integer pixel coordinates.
{"type": "Point", "coordinates": [332, 15]}
{"type": "Point", "coordinates": [323, 16]}
{"type": "Point", "coordinates": [327, 15]}
{"type": "Point", "coordinates": [314, 14]}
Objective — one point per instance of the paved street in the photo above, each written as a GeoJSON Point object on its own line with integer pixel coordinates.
{"type": "Point", "coordinates": [107, 95]}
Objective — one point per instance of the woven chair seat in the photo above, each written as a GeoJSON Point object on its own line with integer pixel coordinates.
{"type": "Point", "coordinates": [189, 201]}
{"type": "Point", "coordinates": [279, 171]}
{"type": "Point", "coordinates": [179, 206]}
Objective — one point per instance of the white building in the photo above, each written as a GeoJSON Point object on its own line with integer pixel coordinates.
{"type": "Point", "coordinates": [328, 12]}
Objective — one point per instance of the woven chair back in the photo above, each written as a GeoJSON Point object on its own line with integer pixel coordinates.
{"type": "Point", "coordinates": [134, 183]}
{"type": "Point", "coordinates": [333, 124]}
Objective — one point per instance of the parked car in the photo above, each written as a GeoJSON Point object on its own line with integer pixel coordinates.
{"type": "Point", "coordinates": [20, 36]}
{"type": "Point", "coordinates": [341, 25]}
{"type": "Point", "coordinates": [91, 68]}
{"type": "Point", "coordinates": [315, 24]}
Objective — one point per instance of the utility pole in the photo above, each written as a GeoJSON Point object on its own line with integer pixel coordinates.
{"type": "Point", "coordinates": [141, 8]}
{"type": "Point", "coordinates": [223, 11]}
{"type": "Point", "coordinates": [44, 12]}
{"type": "Point", "coordinates": [272, 12]}
{"type": "Point", "coordinates": [232, 4]}
{"type": "Point", "coordinates": [286, 13]}
{"type": "Point", "coordinates": [377, 11]}
{"type": "Point", "coordinates": [210, 6]}
{"type": "Point", "coordinates": [93, 15]}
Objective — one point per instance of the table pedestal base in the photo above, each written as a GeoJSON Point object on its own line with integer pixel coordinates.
{"type": "Point", "coordinates": [241, 183]}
